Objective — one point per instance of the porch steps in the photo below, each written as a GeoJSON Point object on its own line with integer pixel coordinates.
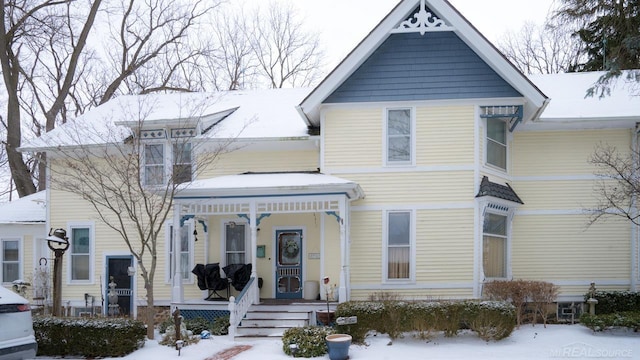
{"type": "Point", "coordinates": [269, 321]}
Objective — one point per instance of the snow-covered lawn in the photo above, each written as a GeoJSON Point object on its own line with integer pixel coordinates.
{"type": "Point", "coordinates": [554, 342]}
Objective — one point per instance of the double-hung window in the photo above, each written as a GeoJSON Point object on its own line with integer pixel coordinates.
{"type": "Point", "coordinates": [158, 155]}
{"type": "Point", "coordinates": [494, 245]}
{"type": "Point", "coordinates": [185, 252]}
{"type": "Point", "coordinates": [497, 143]}
{"type": "Point", "coordinates": [10, 260]}
{"type": "Point", "coordinates": [80, 254]}
{"type": "Point", "coordinates": [399, 136]}
{"type": "Point", "coordinates": [235, 243]}
{"type": "Point", "coordinates": [398, 245]}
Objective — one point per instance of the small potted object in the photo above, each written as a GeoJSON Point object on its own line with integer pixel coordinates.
{"type": "Point", "coordinates": [338, 346]}
{"type": "Point", "coordinates": [326, 317]}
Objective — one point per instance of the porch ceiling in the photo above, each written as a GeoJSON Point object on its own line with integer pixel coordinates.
{"type": "Point", "coordinates": [245, 186]}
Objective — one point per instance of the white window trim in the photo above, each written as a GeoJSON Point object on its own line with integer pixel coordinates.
{"type": "Point", "coordinates": [509, 214]}
{"type": "Point", "coordinates": [92, 243]}
{"type": "Point", "coordinates": [385, 139]}
{"type": "Point", "coordinates": [412, 247]}
{"type": "Point", "coordinates": [20, 241]}
{"type": "Point", "coordinates": [508, 138]}
{"type": "Point", "coordinates": [168, 251]}
{"type": "Point", "coordinates": [223, 240]}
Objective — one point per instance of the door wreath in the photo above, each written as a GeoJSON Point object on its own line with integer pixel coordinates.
{"type": "Point", "coordinates": [291, 248]}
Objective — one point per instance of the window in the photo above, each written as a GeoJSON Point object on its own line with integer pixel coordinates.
{"type": "Point", "coordinates": [10, 260]}
{"type": "Point", "coordinates": [80, 254]}
{"type": "Point", "coordinates": [235, 244]}
{"type": "Point", "coordinates": [154, 164]}
{"type": "Point", "coordinates": [398, 245]}
{"type": "Point", "coordinates": [181, 163]}
{"type": "Point", "coordinates": [497, 143]}
{"type": "Point", "coordinates": [185, 252]}
{"type": "Point", "coordinates": [399, 141]}
{"type": "Point", "coordinates": [494, 246]}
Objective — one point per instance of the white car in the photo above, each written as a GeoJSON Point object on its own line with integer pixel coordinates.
{"type": "Point", "coordinates": [17, 339]}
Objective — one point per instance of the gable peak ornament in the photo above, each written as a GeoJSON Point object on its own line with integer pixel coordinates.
{"type": "Point", "coordinates": [422, 21]}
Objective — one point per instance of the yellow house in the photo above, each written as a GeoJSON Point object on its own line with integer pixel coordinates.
{"type": "Point", "coordinates": [424, 165]}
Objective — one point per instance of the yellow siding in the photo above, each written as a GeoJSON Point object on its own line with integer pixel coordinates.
{"type": "Point", "coordinates": [562, 247]}
{"type": "Point", "coordinates": [416, 294]}
{"type": "Point", "coordinates": [415, 187]}
{"type": "Point", "coordinates": [444, 136]}
{"type": "Point", "coordinates": [548, 153]}
{"type": "Point", "coordinates": [237, 162]}
{"type": "Point", "coordinates": [366, 247]}
{"type": "Point", "coordinates": [553, 195]}
{"type": "Point", "coordinates": [444, 246]}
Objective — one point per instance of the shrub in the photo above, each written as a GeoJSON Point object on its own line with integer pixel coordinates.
{"type": "Point", "coordinates": [162, 327]}
{"type": "Point", "coordinates": [88, 337]}
{"type": "Point", "coordinates": [629, 319]}
{"type": "Point", "coordinates": [310, 341]}
{"type": "Point", "coordinates": [616, 301]}
{"type": "Point", "coordinates": [197, 325]}
{"type": "Point", "coordinates": [188, 337]}
{"type": "Point", "coordinates": [520, 292]}
{"type": "Point", "coordinates": [491, 320]}
{"type": "Point", "coordinates": [220, 326]}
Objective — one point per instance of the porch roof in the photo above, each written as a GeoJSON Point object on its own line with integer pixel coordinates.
{"type": "Point", "coordinates": [270, 184]}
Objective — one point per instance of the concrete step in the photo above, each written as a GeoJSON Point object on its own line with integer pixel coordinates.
{"type": "Point", "coordinates": [253, 332]}
{"type": "Point", "coordinates": [303, 315]}
{"type": "Point", "coordinates": [270, 322]}
{"type": "Point", "coordinates": [276, 323]}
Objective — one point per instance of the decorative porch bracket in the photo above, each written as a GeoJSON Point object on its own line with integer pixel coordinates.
{"type": "Point", "coordinates": [333, 213]}
{"type": "Point", "coordinates": [258, 219]}
{"type": "Point", "coordinates": [187, 217]}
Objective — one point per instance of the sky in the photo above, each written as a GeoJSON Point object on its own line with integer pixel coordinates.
{"type": "Point", "coordinates": [526, 343]}
{"type": "Point", "coordinates": [344, 23]}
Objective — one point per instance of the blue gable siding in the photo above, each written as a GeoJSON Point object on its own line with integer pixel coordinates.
{"type": "Point", "coordinates": [433, 66]}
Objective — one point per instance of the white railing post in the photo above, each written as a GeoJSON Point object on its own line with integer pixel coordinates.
{"type": "Point", "coordinates": [232, 317]}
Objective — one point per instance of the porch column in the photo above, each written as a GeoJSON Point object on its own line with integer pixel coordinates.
{"type": "Point", "coordinates": [176, 292]}
{"type": "Point", "coordinates": [253, 225]}
{"type": "Point", "coordinates": [342, 290]}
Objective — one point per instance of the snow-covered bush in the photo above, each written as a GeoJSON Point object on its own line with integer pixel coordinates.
{"type": "Point", "coordinates": [616, 301]}
{"type": "Point", "coordinates": [308, 341]}
{"type": "Point", "coordinates": [187, 336]}
{"type": "Point", "coordinates": [629, 319]}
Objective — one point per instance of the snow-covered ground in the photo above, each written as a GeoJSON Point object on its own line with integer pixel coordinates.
{"type": "Point", "coordinates": [554, 342]}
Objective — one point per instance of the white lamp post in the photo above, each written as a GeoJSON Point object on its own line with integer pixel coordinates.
{"type": "Point", "coordinates": [58, 242]}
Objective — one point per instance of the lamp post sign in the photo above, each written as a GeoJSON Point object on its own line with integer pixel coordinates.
{"type": "Point", "coordinates": [58, 242]}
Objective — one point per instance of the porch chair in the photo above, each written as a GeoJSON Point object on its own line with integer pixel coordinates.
{"type": "Point", "coordinates": [238, 275]}
{"type": "Point", "coordinates": [209, 279]}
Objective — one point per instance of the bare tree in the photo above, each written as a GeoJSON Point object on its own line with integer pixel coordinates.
{"type": "Point", "coordinates": [104, 165]}
{"type": "Point", "coordinates": [547, 49]}
{"type": "Point", "coordinates": [287, 55]}
{"type": "Point", "coordinates": [23, 21]}
{"type": "Point", "coordinates": [618, 187]}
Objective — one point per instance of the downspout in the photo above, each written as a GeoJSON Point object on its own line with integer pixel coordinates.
{"type": "Point", "coordinates": [634, 227]}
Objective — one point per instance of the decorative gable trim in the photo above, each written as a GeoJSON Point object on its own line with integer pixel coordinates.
{"type": "Point", "coordinates": [153, 134]}
{"type": "Point", "coordinates": [422, 21]}
{"type": "Point", "coordinates": [535, 101]}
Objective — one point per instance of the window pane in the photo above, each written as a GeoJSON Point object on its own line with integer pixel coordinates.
{"type": "Point", "coordinates": [10, 272]}
{"type": "Point", "coordinates": [399, 122]}
{"type": "Point", "coordinates": [399, 224]}
{"type": "Point", "coordinates": [10, 251]}
{"type": "Point", "coordinates": [398, 263]}
{"type": "Point", "coordinates": [80, 241]}
{"type": "Point", "coordinates": [181, 173]}
{"type": "Point", "coordinates": [154, 154]}
{"type": "Point", "coordinates": [235, 258]}
{"type": "Point", "coordinates": [494, 257]}
{"type": "Point", "coordinates": [185, 267]}
{"type": "Point", "coordinates": [496, 154]}
{"type": "Point", "coordinates": [497, 130]}
{"type": "Point", "coordinates": [80, 267]}
{"type": "Point", "coordinates": [235, 237]}
{"type": "Point", "coordinates": [399, 148]}
{"type": "Point", "coordinates": [182, 153]}
{"type": "Point", "coordinates": [495, 224]}
{"type": "Point", "coordinates": [154, 175]}
{"type": "Point", "coordinates": [184, 238]}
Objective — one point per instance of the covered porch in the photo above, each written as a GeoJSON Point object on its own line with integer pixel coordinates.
{"type": "Point", "coordinates": [291, 227]}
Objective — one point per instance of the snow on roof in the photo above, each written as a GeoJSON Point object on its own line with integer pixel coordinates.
{"type": "Point", "coordinates": [254, 114]}
{"type": "Point", "coordinates": [28, 209]}
{"type": "Point", "coordinates": [271, 183]}
{"type": "Point", "coordinates": [568, 91]}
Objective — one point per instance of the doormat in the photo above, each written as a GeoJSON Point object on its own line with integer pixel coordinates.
{"type": "Point", "coordinates": [229, 353]}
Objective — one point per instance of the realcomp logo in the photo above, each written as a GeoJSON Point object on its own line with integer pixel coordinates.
{"type": "Point", "coordinates": [581, 350]}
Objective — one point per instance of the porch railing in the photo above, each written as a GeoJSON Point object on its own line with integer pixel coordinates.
{"type": "Point", "coordinates": [239, 306]}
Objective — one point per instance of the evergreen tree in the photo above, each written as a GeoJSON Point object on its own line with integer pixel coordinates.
{"type": "Point", "coordinates": [610, 31]}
